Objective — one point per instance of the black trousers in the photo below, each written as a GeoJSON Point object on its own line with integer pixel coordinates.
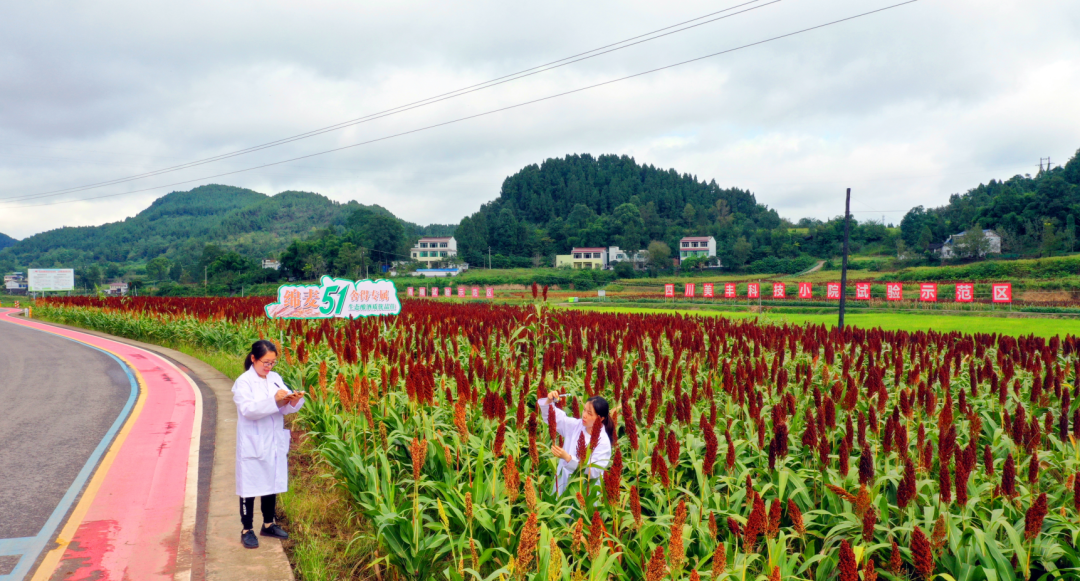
{"type": "Point", "coordinates": [247, 508]}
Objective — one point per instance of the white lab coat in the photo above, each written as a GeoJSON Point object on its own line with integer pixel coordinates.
{"type": "Point", "coordinates": [570, 428]}
{"type": "Point", "coordinates": [262, 442]}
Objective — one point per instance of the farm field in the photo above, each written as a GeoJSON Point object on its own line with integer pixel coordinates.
{"type": "Point", "coordinates": [968, 324]}
{"type": "Point", "coordinates": [743, 450]}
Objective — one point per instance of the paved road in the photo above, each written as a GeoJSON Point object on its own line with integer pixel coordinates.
{"type": "Point", "coordinates": [59, 400]}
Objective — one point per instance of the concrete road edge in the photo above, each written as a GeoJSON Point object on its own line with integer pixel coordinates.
{"type": "Point", "coordinates": [217, 530]}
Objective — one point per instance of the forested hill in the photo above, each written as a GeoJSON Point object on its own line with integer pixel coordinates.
{"type": "Point", "coordinates": [581, 200]}
{"type": "Point", "coordinates": [178, 226]}
{"type": "Point", "coordinates": [1032, 214]}
{"type": "Point", "coordinates": [6, 241]}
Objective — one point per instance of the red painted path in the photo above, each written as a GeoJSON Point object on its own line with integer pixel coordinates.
{"type": "Point", "coordinates": [136, 517]}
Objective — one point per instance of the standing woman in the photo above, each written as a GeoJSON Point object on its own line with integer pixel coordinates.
{"type": "Point", "coordinates": [595, 416]}
{"type": "Point", "coordinates": [262, 442]}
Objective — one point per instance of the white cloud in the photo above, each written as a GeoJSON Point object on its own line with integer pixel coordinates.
{"type": "Point", "coordinates": [905, 106]}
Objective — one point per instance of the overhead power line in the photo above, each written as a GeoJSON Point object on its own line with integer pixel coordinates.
{"type": "Point", "coordinates": [606, 49]}
{"type": "Point", "coordinates": [490, 112]}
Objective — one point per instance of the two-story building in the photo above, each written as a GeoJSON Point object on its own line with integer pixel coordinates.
{"type": "Point", "coordinates": [697, 246]}
{"type": "Point", "coordinates": [15, 283]}
{"type": "Point", "coordinates": [992, 246]}
{"type": "Point", "coordinates": [584, 258]}
{"type": "Point", "coordinates": [434, 249]}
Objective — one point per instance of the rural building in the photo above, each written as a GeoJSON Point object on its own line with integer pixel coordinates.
{"type": "Point", "coordinates": [584, 258]}
{"type": "Point", "coordinates": [15, 283]}
{"type": "Point", "coordinates": [436, 249]}
{"type": "Point", "coordinates": [271, 263]}
{"type": "Point", "coordinates": [117, 289]}
{"type": "Point", "coordinates": [992, 238]}
{"type": "Point", "coordinates": [695, 246]}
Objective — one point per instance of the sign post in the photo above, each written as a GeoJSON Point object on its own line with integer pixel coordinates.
{"type": "Point", "coordinates": [336, 298]}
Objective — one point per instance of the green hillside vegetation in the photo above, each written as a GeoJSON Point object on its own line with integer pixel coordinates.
{"type": "Point", "coordinates": [187, 231]}
{"type": "Point", "coordinates": [6, 241]}
{"type": "Point", "coordinates": [581, 200]}
{"type": "Point", "coordinates": [1033, 215]}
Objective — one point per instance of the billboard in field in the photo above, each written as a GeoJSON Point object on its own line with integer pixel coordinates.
{"type": "Point", "coordinates": [51, 279]}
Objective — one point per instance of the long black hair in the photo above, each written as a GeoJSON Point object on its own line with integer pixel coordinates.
{"type": "Point", "coordinates": [260, 348]}
{"type": "Point", "coordinates": [600, 408]}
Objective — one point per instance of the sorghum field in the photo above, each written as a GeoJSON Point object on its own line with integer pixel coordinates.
{"type": "Point", "coordinates": [743, 451]}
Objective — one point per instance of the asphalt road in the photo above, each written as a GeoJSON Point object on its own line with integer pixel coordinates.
{"type": "Point", "coordinates": [59, 398]}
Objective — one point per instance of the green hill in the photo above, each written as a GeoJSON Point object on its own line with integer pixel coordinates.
{"type": "Point", "coordinates": [6, 241]}
{"type": "Point", "coordinates": [581, 200]}
{"type": "Point", "coordinates": [1033, 215]}
{"type": "Point", "coordinates": [179, 225]}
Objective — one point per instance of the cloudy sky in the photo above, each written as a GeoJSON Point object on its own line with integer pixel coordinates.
{"type": "Point", "coordinates": [905, 106]}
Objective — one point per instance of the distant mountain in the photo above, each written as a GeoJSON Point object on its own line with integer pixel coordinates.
{"type": "Point", "coordinates": [6, 241]}
{"type": "Point", "coordinates": [178, 226]}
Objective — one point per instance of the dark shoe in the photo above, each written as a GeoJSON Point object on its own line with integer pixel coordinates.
{"type": "Point", "coordinates": [274, 531]}
{"type": "Point", "coordinates": [249, 539]}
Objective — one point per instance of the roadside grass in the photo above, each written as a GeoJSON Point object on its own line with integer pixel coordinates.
{"type": "Point", "coordinates": [325, 536]}
{"type": "Point", "coordinates": [327, 541]}
{"type": "Point", "coordinates": [1039, 327]}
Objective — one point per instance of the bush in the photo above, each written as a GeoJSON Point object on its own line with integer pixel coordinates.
{"type": "Point", "coordinates": [774, 265]}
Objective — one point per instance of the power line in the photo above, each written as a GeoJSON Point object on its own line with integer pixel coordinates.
{"type": "Point", "coordinates": [424, 102]}
{"type": "Point", "coordinates": [490, 112]}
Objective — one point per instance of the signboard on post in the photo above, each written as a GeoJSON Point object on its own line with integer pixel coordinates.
{"type": "Point", "coordinates": [965, 292]}
{"type": "Point", "coordinates": [336, 298]}
{"type": "Point", "coordinates": [489, 292]}
{"type": "Point", "coordinates": [894, 291]}
{"type": "Point", "coordinates": [475, 292]}
{"type": "Point", "coordinates": [928, 292]}
{"type": "Point", "coordinates": [708, 290]}
{"type": "Point", "coordinates": [729, 290]}
{"type": "Point", "coordinates": [832, 290]}
{"type": "Point", "coordinates": [409, 291]}
{"type": "Point", "coordinates": [50, 279]}
{"type": "Point", "coordinates": [779, 291]}
{"type": "Point", "coordinates": [753, 291]}
{"type": "Point", "coordinates": [461, 292]}
{"type": "Point", "coordinates": [862, 291]}
{"type": "Point", "coordinates": [805, 291]}
{"type": "Point", "coordinates": [669, 291]}
{"type": "Point", "coordinates": [1002, 293]}
{"type": "Point", "coordinates": [688, 290]}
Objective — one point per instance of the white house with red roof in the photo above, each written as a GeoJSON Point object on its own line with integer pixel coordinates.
{"type": "Point", "coordinates": [695, 246]}
{"type": "Point", "coordinates": [434, 249]}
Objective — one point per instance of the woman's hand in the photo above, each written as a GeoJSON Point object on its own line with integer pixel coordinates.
{"type": "Point", "coordinates": [560, 453]}
{"type": "Point", "coordinates": [553, 397]}
{"type": "Point", "coordinates": [281, 397]}
{"type": "Point", "coordinates": [295, 397]}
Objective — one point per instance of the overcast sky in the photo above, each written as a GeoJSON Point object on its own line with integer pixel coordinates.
{"type": "Point", "coordinates": [905, 106]}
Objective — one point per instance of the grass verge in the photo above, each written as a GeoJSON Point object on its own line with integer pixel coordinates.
{"type": "Point", "coordinates": [327, 541]}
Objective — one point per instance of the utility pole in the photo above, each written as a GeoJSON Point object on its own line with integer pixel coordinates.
{"type": "Point", "coordinates": [489, 258]}
{"type": "Point", "coordinates": [204, 278]}
{"type": "Point", "coordinates": [843, 261]}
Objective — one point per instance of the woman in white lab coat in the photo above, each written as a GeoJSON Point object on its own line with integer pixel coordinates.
{"type": "Point", "coordinates": [594, 417]}
{"type": "Point", "coordinates": [262, 442]}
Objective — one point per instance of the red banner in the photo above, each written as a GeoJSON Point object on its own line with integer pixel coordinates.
{"type": "Point", "coordinates": [729, 290]}
{"type": "Point", "coordinates": [753, 291]}
{"type": "Point", "coordinates": [489, 292]}
{"type": "Point", "coordinates": [862, 291]}
{"type": "Point", "coordinates": [928, 292]}
{"type": "Point", "coordinates": [688, 290]}
{"type": "Point", "coordinates": [423, 291]}
{"type": "Point", "coordinates": [708, 290]}
{"type": "Point", "coordinates": [409, 291]}
{"type": "Point", "coordinates": [965, 292]}
{"type": "Point", "coordinates": [779, 291]}
{"type": "Point", "coordinates": [669, 291]}
{"type": "Point", "coordinates": [832, 290]}
{"type": "Point", "coordinates": [475, 292]}
{"type": "Point", "coordinates": [461, 292]}
{"type": "Point", "coordinates": [894, 291]}
{"type": "Point", "coordinates": [805, 291]}
{"type": "Point", "coordinates": [1002, 292]}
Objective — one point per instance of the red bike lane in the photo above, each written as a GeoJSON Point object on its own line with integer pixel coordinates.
{"type": "Point", "coordinates": [135, 518]}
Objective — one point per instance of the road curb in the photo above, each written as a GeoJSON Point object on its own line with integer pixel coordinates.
{"type": "Point", "coordinates": [217, 530]}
